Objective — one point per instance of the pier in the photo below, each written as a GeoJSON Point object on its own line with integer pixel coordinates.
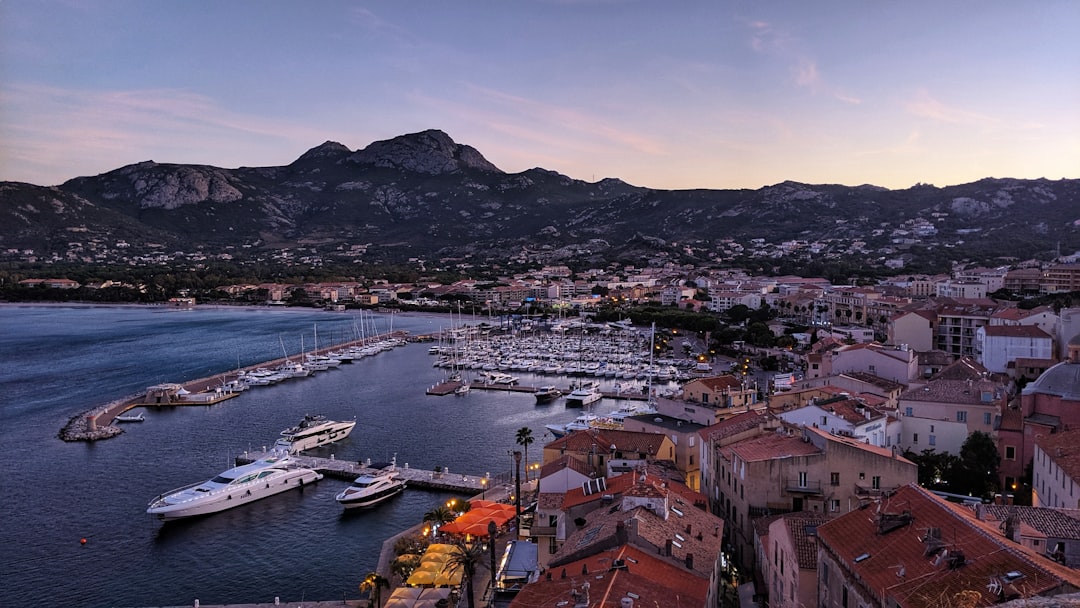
{"type": "Point", "coordinates": [348, 470]}
{"type": "Point", "coordinates": [446, 388]}
{"type": "Point", "coordinates": [98, 424]}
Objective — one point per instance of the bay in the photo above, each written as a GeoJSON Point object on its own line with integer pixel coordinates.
{"type": "Point", "coordinates": [60, 361]}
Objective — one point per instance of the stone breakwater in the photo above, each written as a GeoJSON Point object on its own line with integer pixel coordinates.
{"type": "Point", "coordinates": [96, 423]}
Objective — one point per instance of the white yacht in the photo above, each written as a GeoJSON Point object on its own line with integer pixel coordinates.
{"type": "Point", "coordinates": [237, 486]}
{"type": "Point", "coordinates": [585, 394]}
{"type": "Point", "coordinates": [371, 489]}
{"type": "Point", "coordinates": [582, 422]}
{"type": "Point", "coordinates": [314, 430]}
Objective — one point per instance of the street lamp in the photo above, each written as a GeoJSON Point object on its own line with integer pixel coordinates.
{"type": "Point", "coordinates": [517, 489]}
{"type": "Point", "coordinates": [483, 484]}
{"type": "Point", "coordinates": [491, 543]}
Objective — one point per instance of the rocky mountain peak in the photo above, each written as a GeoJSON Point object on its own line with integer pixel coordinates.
{"type": "Point", "coordinates": [431, 152]}
{"type": "Point", "coordinates": [325, 150]}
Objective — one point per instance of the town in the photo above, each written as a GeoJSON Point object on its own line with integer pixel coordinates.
{"type": "Point", "coordinates": [920, 450]}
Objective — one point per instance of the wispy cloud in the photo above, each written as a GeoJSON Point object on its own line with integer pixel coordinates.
{"type": "Point", "coordinates": [927, 106]}
{"type": "Point", "coordinates": [44, 128]}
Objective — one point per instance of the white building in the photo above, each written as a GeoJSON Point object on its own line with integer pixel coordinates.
{"type": "Point", "coordinates": [998, 345]}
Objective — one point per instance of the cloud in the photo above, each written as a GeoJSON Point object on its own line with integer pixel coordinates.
{"type": "Point", "coordinates": [926, 106]}
{"type": "Point", "coordinates": [491, 107]}
{"type": "Point", "coordinates": [806, 73]}
{"type": "Point", "coordinates": [51, 134]}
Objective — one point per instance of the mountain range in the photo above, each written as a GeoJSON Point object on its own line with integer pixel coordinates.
{"type": "Point", "coordinates": [423, 195]}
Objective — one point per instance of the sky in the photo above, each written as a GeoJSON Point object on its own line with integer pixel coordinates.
{"type": "Point", "coordinates": [668, 95]}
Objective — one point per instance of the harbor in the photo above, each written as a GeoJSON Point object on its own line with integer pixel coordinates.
{"type": "Point", "coordinates": [98, 423]}
{"type": "Point", "coordinates": [83, 355]}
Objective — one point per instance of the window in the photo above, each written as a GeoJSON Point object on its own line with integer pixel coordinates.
{"type": "Point", "coordinates": [961, 416]}
{"type": "Point", "coordinates": [986, 418]}
{"type": "Point", "coordinates": [1010, 452]}
{"type": "Point", "coordinates": [872, 369]}
{"type": "Point", "coordinates": [824, 420]}
{"type": "Point", "coordinates": [834, 505]}
{"type": "Point", "coordinates": [802, 479]}
{"type": "Point", "coordinates": [553, 546]}
{"type": "Point", "coordinates": [915, 438]}
{"type": "Point", "coordinates": [933, 439]}
{"type": "Point", "coordinates": [909, 411]}
{"type": "Point", "coordinates": [875, 482]}
{"type": "Point", "coordinates": [834, 479]}
{"type": "Point", "coordinates": [704, 397]}
{"type": "Point", "coordinates": [931, 428]}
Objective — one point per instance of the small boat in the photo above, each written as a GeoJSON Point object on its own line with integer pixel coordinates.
{"type": "Point", "coordinates": [370, 489]}
{"type": "Point", "coordinates": [462, 390]}
{"type": "Point", "coordinates": [130, 418]}
{"type": "Point", "coordinates": [313, 431]}
{"type": "Point", "coordinates": [547, 394]}
{"type": "Point", "coordinates": [234, 487]}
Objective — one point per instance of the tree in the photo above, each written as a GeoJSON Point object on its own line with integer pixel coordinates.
{"type": "Point", "coordinates": [439, 515]}
{"type": "Point", "coordinates": [524, 438]}
{"type": "Point", "coordinates": [375, 583]}
{"type": "Point", "coordinates": [466, 558]}
{"type": "Point", "coordinates": [977, 470]}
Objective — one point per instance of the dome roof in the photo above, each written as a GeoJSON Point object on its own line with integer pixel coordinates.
{"type": "Point", "coordinates": [1075, 340]}
{"type": "Point", "coordinates": [1062, 380]}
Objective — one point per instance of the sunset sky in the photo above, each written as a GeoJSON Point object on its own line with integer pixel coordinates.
{"type": "Point", "coordinates": [710, 94]}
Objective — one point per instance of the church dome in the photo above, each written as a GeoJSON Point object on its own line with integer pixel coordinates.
{"type": "Point", "coordinates": [1062, 380]}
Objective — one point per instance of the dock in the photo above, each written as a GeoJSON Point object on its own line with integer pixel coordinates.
{"type": "Point", "coordinates": [446, 388]}
{"type": "Point", "coordinates": [349, 470]}
{"type": "Point", "coordinates": [98, 423]}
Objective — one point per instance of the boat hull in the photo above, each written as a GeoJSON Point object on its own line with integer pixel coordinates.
{"type": "Point", "coordinates": [306, 440]}
{"type": "Point", "coordinates": [181, 505]}
{"type": "Point", "coordinates": [359, 500]}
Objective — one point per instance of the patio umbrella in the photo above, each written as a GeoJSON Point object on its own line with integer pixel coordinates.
{"type": "Point", "coordinates": [448, 578]}
{"type": "Point", "coordinates": [440, 548]}
{"type": "Point", "coordinates": [423, 577]}
{"type": "Point", "coordinates": [429, 566]}
{"type": "Point", "coordinates": [434, 593]}
{"type": "Point", "coordinates": [406, 593]}
{"type": "Point", "coordinates": [453, 527]}
{"type": "Point", "coordinates": [479, 503]}
{"type": "Point", "coordinates": [399, 603]}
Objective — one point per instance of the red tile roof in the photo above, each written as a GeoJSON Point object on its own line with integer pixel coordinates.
{"type": "Point", "coordinates": [901, 566]}
{"type": "Point", "coordinates": [615, 574]}
{"type": "Point", "coordinates": [772, 445]}
{"type": "Point", "coordinates": [601, 440]}
{"type": "Point", "coordinates": [1063, 448]}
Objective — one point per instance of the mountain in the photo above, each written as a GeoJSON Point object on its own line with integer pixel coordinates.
{"type": "Point", "coordinates": [424, 195]}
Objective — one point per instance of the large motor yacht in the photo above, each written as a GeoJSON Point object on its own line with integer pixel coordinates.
{"type": "Point", "coordinates": [311, 432]}
{"type": "Point", "coordinates": [370, 489]}
{"type": "Point", "coordinates": [583, 395]}
{"type": "Point", "coordinates": [237, 486]}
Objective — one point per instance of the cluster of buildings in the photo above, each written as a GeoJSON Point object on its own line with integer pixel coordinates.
{"type": "Point", "coordinates": [805, 498]}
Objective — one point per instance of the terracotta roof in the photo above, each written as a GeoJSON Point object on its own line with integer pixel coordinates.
{"type": "Point", "coordinates": [772, 445]}
{"type": "Point", "coordinates": [693, 533]}
{"type": "Point", "coordinates": [583, 442]}
{"type": "Point", "coordinates": [1063, 448]}
{"type": "Point", "coordinates": [565, 461]}
{"type": "Point", "coordinates": [802, 528]}
{"type": "Point", "coordinates": [652, 580]}
{"type": "Point", "coordinates": [897, 563]}
{"type": "Point", "coordinates": [877, 381]}
{"type": "Point", "coordinates": [739, 423]}
{"type": "Point", "coordinates": [1053, 523]}
{"type": "Point", "coordinates": [718, 383]}
{"type": "Point", "coordinates": [1016, 331]}
{"type": "Point", "coordinates": [1016, 313]}
{"type": "Point", "coordinates": [856, 443]}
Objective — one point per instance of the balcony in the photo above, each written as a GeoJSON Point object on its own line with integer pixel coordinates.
{"type": "Point", "coordinates": [792, 484]}
{"type": "Point", "coordinates": [863, 490]}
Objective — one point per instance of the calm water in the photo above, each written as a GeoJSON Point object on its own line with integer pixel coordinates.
{"type": "Point", "coordinates": [59, 361]}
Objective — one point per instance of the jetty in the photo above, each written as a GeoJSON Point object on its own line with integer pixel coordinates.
{"type": "Point", "coordinates": [348, 470]}
{"type": "Point", "coordinates": [449, 387]}
{"type": "Point", "coordinates": [99, 423]}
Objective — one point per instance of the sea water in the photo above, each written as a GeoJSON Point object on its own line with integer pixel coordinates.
{"type": "Point", "coordinates": [60, 361]}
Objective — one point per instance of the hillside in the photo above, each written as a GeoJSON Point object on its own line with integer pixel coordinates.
{"type": "Point", "coordinates": [424, 195]}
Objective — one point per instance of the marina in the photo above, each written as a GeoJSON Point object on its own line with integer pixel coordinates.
{"type": "Point", "coordinates": [72, 357]}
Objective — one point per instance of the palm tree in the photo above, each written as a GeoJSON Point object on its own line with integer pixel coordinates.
{"type": "Point", "coordinates": [524, 438]}
{"type": "Point", "coordinates": [439, 515]}
{"type": "Point", "coordinates": [375, 583]}
{"type": "Point", "coordinates": [466, 558]}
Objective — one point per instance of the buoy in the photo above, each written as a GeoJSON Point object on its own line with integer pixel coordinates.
{"type": "Point", "coordinates": [82, 541]}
